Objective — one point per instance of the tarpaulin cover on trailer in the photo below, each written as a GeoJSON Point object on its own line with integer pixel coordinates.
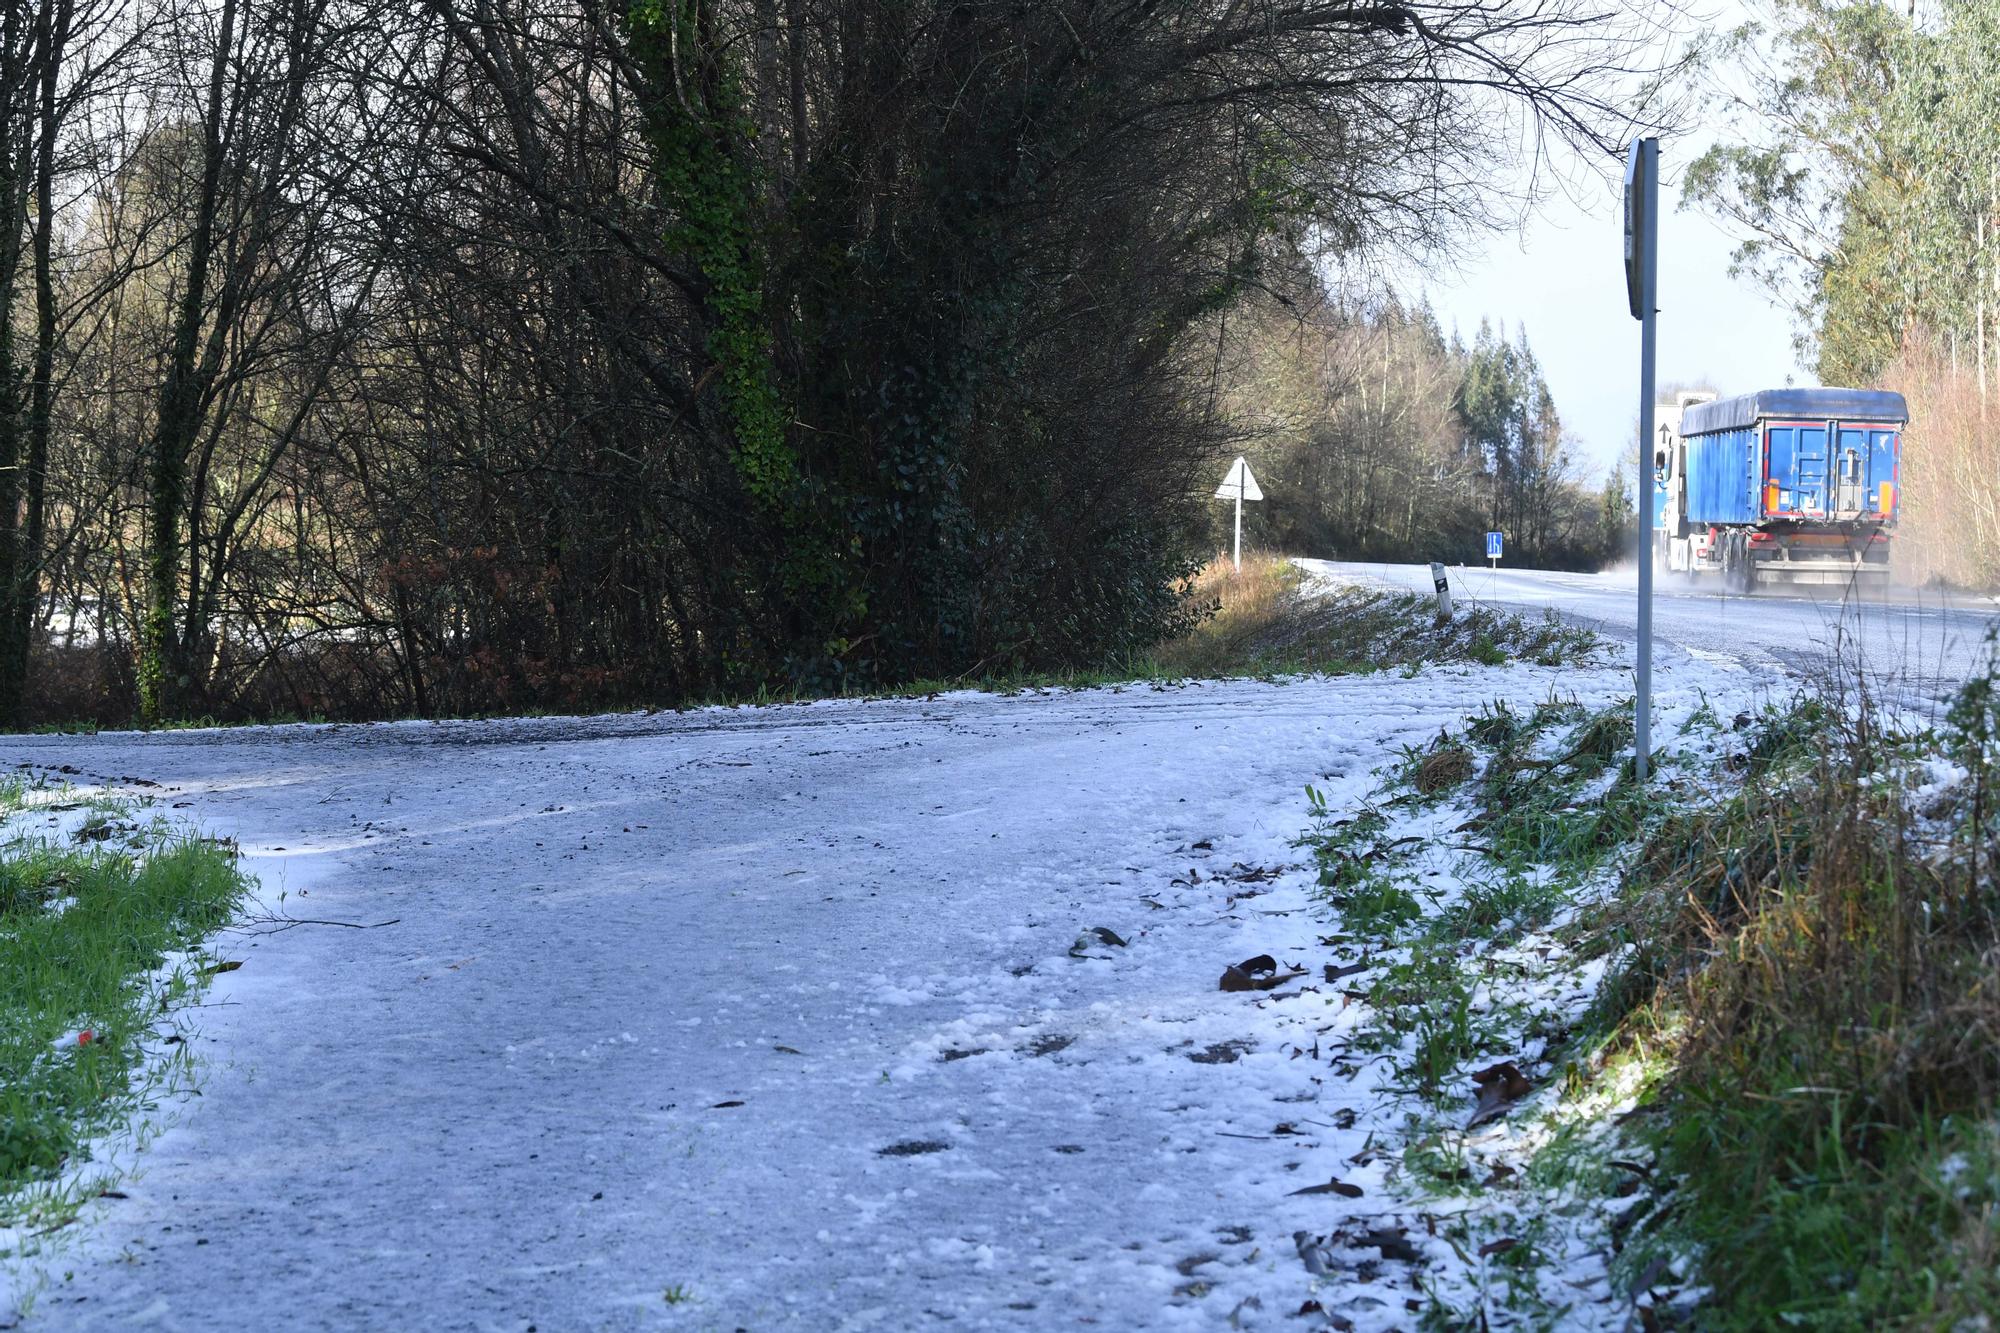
{"type": "Point", "coordinates": [1804, 404]}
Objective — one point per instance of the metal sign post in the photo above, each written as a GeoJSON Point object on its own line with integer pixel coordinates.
{"type": "Point", "coordinates": [1642, 275]}
{"type": "Point", "coordinates": [1239, 485]}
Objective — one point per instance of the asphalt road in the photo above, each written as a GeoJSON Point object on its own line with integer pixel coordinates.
{"type": "Point", "coordinates": [760, 1018]}
{"type": "Point", "coordinates": [1912, 645]}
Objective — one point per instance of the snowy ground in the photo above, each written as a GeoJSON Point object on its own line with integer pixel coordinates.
{"type": "Point", "coordinates": [770, 1018]}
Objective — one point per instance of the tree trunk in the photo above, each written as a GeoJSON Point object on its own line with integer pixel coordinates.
{"type": "Point", "coordinates": [18, 554]}
{"type": "Point", "coordinates": [22, 591]}
{"type": "Point", "coordinates": [163, 668]}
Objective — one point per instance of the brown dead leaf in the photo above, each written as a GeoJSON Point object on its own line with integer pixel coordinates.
{"type": "Point", "coordinates": [1259, 973]}
{"type": "Point", "coordinates": [1500, 1086]}
{"type": "Point", "coordinates": [1334, 1186]}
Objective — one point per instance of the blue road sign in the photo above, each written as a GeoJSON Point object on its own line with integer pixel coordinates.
{"type": "Point", "coordinates": [1492, 546]}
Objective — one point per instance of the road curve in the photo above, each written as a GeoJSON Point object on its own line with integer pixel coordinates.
{"type": "Point", "coordinates": [1914, 645]}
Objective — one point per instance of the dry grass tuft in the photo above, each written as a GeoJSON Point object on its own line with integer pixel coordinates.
{"type": "Point", "coordinates": [1248, 603]}
{"type": "Point", "coordinates": [1444, 768]}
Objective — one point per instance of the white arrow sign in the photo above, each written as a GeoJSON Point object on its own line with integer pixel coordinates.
{"type": "Point", "coordinates": [1239, 485]}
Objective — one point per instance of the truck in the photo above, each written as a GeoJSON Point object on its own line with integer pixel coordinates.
{"type": "Point", "coordinates": [1781, 486]}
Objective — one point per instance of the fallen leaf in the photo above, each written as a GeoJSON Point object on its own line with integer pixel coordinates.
{"type": "Point", "coordinates": [1500, 1246]}
{"type": "Point", "coordinates": [1500, 1086]}
{"type": "Point", "coordinates": [229, 965]}
{"type": "Point", "coordinates": [1334, 1186]}
{"type": "Point", "coordinates": [1392, 1244]}
{"type": "Point", "coordinates": [723, 1106]}
{"type": "Point", "coordinates": [1259, 973]}
{"type": "Point", "coordinates": [1336, 973]}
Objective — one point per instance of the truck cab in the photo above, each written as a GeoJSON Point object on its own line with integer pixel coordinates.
{"type": "Point", "coordinates": [1669, 467]}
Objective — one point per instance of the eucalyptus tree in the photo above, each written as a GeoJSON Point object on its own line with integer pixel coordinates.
{"type": "Point", "coordinates": [1864, 177]}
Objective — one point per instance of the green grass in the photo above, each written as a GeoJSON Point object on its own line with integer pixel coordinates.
{"type": "Point", "coordinates": [84, 933]}
{"type": "Point", "coordinates": [1431, 993]}
{"type": "Point", "coordinates": [1803, 998]}
{"type": "Point", "coordinates": [1811, 961]}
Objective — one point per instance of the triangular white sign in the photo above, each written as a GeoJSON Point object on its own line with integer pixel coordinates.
{"type": "Point", "coordinates": [1239, 475]}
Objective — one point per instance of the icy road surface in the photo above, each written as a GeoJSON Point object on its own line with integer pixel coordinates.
{"type": "Point", "coordinates": [1916, 644]}
{"type": "Point", "coordinates": [768, 1018]}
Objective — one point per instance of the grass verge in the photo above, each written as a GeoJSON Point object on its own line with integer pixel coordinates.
{"type": "Point", "coordinates": [1821, 955]}
{"type": "Point", "coordinates": [1754, 1017]}
{"type": "Point", "coordinates": [1266, 621]}
{"type": "Point", "coordinates": [101, 921]}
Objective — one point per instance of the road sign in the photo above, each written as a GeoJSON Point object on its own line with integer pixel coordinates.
{"type": "Point", "coordinates": [1239, 485]}
{"type": "Point", "coordinates": [1642, 270]}
{"type": "Point", "coordinates": [1492, 546]}
{"type": "Point", "coordinates": [1641, 177]}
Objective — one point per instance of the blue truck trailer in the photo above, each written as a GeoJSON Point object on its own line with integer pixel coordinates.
{"type": "Point", "coordinates": [1782, 486]}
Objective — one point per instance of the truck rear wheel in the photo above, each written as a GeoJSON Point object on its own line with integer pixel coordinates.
{"type": "Point", "coordinates": [1739, 575]}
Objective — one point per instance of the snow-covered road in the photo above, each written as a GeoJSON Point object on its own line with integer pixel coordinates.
{"type": "Point", "coordinates": [765, 1018]}
{"type": "Point", "coordinates": [1915, 644]}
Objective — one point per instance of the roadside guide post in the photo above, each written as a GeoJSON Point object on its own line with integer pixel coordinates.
{"type": "Point", "coordinates": [1642, 256]}
{"type": "Point", "coordinates": [1238, 485]}
{"type": "Point", "coordinates": [1443, 586]}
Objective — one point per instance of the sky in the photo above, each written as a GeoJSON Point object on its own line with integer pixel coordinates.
{"type": "Point", "coordinates": [1563, 277]}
